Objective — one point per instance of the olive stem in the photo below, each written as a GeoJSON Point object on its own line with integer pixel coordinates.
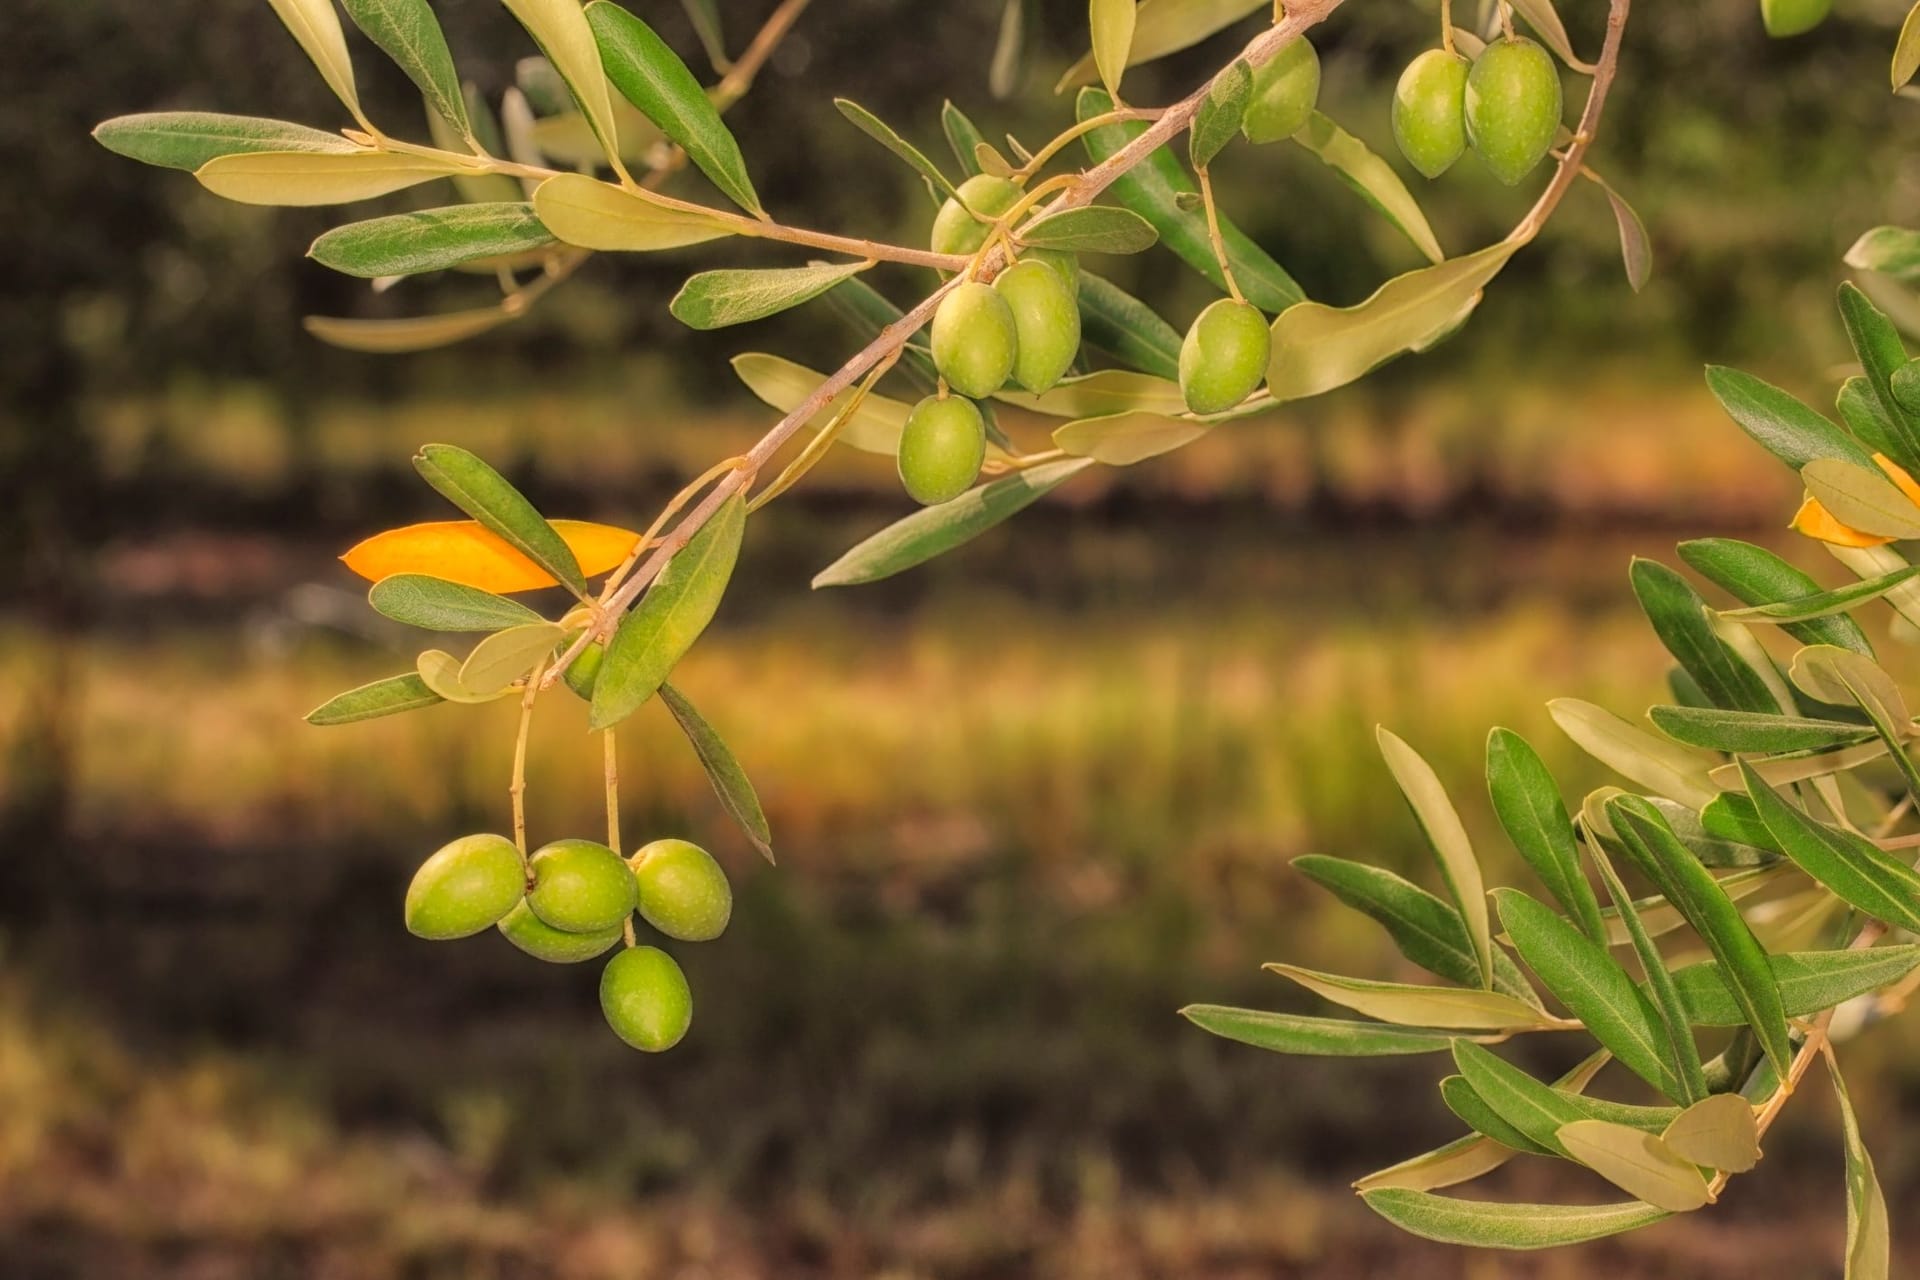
{"type": "Point", "coordinates": [740, 76]}
{"type": "Point", "coordinates": [517, 789]}
{"type": "Point", "coordinates": [1446, 25]}
{"type": "Point", "coordinates": [1604, 69]}
{"type": "Point", "coordinates": [817, 447]}
{"type": "Point", "coordinates": [1213, 234]}
{"type": "Point", "coordinates": [1506, 19]}
{"type": "Point", "coordinates": [1120, 115]}
{"type": "Point", "coordinates": [611, 772]}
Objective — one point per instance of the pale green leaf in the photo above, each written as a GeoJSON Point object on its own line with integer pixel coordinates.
{"type": "Point", "coordinates": [407, 32]}
{"type": "Point", "coordinates": [1906, 51]}
{"type": "Point", "coordinates": [405, 244]}
{"type": "Point", "coordinates": [1719, 1132]}
{"type": "Point", "coordinates": [1095, 229]}
{"type": "Point", "coordinates": [1372, 177]}
{"type": "Point", "coordinates": [505, 656]}
{"type": "Point", "coordinates": [316, 26]}
{"type": "Point", "coordinates": [1315, 1037]}
{"type": "Point", "coordinates": [1122, 439]}
{"type": "Point", "coordinates": [188, 139]}
{"type": "Point", "coordinates": [1663, 768]}
{"type": "Point", "coordinates": [715, 299]}
{"type": "Point", "coordinates": [730, 781]}
{"type": "Point", "coordinates": [1545, 20]}
{"type": "Point", "coordinates": [1411, 1005]}
{"type": "Point", "coordinates": [875, 426]}
{"type": "Point", "coordinates": [1640, 1164]}
{"type": "Point", "coordinates": [1861, 498]}
{"type": "Point", "coordinates": [561, 29]}
{"type": "Point", "coordinates": [1101, 394]}
{"type": "Point", "coordinates": [1894, 251]}
{"type": "Point", "coordinates": [1111, 24]}
{"type": "Point", "coordinates": [438, 605]}
{"type": "Point", "coordinates": [380, 698]}
{"type": "Point", "coordinates": [300, 178]}
{"type": "Point", "coordinates": [597, 215]}
{"type": "Point", "coordinates": [1448, 838]}
{"type": "Point", "coordinates": [411, 333]}
{"type": "Point", "coordinates": [1496, 1225]}
{"type": "Point", "coordinates": [1869, 1244]}
{"type": "Point", "coordinates": [440, 672]}
{"type": "Point", "coordinates": [1162, 27]}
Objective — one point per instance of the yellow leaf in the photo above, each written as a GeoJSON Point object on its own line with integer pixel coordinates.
{"type": "Point", "coordinates": [465, 552]}
{"type": "Point", "coordinates": [305, 178]}
{"type": "Point", "coordinates": [592, 214]}
{"type": "Point", "coordinates": [1816, 522]}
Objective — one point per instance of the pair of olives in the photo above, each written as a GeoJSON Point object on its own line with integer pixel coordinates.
{"type": "Point", "coordinates": [1506, 105]}
{"type": "Point", "coordinates": [571, 902]}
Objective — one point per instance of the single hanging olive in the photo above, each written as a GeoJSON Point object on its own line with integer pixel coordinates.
{"type": "Point", "coordinates": [1793, 17]}
{"type": "Point", "coordinates": [542, 941]}
{"type": "Point", "coordinates": [1046, 323]}
{"type": "Point", "coordinates": [1224, 357]}
{"type": "Point", "coordinates": [955, 230]}
{"type": "Point", "coordinates": [1430, 111]}
{"type": "Point", "coordinates": [941, 449]}
{"type": "Point", "coordinates": [1285, 89]}
{"type": "Point", "coordinates": [974, 342]}
{"type": "Point", "coordinates": [645, 998]}
{"type": "Point", "coordinates": [1513, 107]}
{"type": "Point", "coordinates": [581, 886]}
{"type": "Point", "coordinates": [464, 887]}
{"type": "Point", "coordinates": [683, 891]}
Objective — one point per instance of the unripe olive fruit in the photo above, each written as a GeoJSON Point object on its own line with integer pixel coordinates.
{"type": "Point", "coordinates": [584, 672]}
{"type": "Point", "coordinates": [1064, 261]}
{"type": "Point", "coordinates": [941, 449]}
{"type": "Point", "coordinates": [464, 887]}
{"type": "Point", "coordinates": [683, 892]}
{"type": "Point", "coordinates": [1513, 106]}
{"type": "Point", "coordinates": [1906, 386]}
{"type": "Point", "coordinates": [645, 998]}
{"type": "Point", "coordinates": [580, 886]}
{"type": "Point", "coordinates": [1046, 322]}
{"type": "Point", "coordinates": [1285, 89]}
{"type": "Point", "coordinates": [1791, 17]}
{"type": "Point", "coordinates": [974, 341]}
{"type": "Point", "coordinates": [1224, 357]}
{"type": "Point", "coordinates": [1430, 111]}
{"type": "Point", "coordinates": [955, 230]}
{"type": "Point", "coordinates": [542, 941]}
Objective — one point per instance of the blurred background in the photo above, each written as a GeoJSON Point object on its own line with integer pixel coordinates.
{"type": "Point", "coordinates": [1028, 800]}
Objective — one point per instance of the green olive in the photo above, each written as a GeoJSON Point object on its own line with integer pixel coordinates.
{"type": "Point", "coordinates": [584, 672]}
{"type": "Point", "coordinates": [1046, 322]}
{"type": "Point", "coordinates": [1792, 17]}
{"type": "Point", "coordinates": [1429, 111]}
{"type": "Point", "coordinates": [955, 230]}
{"type": "Point", "coordinates": [542, 941]}
{"type": "Point", "coordinates": [974, 341]}
{"type": "Point", "coordinates": [941, 449]}
{"type": "Point", "coordinates": [464, 887]}
{"type": "Point", "coordinates": [1285, 89]}
{"type": "Point", "coordinates": [645, 999]}
{"type": "Point", "coordinates": [1062, 260]}
{"type": "Point", "coordinates": [683, 892]}
{"type": "Point", "coordinates": [580, 886]}
{"type": "Point", "coordinates": [1513, 107]}
{"type": "Point", "coordinates": [1224, 357]}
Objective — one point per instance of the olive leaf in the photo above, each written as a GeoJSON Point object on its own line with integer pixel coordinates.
{"type": "Point", "coordinates": [1862, 498]}
{"type": "Point", "coordinates": [1494, 1225]}
{"type": "Point", "coordinates": [1117, 324]}
{"type": "Point", "coordinates": [704, 15]}
{"type": "Point", "coordinates": [1094, 229]}
{"type": "Point", "coordinates": [881, 132]}
{"type": "Point", "coordinates": [561, 29]}
{"type": "Point", "coordinates": [315, 25]}
{"type": "Point", "coordinates": [188, 139]}
{"type": "Point", "coordinates": [1373, 178]}
{"type": "Point", "coordinates": [730, 781]}
{"type": "Point", "coordinates": [409, 333]}
{"type": "Point", "coordinates": [1738, 731]}
{"type": "Point", "coordinates": [1110, 391]}
{"type": "Point", "coordinates": [1447, 837]}
{"type": "Point", "coordinates": [595, 215]}
{"type": "Point", "coordinates": [1461, 1098]}
{"type": "Point", "coordinates": [304, 178]}
{"type": "Point", "coordinates": [651, 76]}
{"type": "Point", "coordinates": [657, 633]}
{"type": "Point", "coordinates": [1162, 27]}
{"type": "Point", "coordinates": [483, 493]}
{"type": "Point", "coordinates": [1111, 24]}
{"type": "Point", "coordinates": [1859, 872]}
{"type": "Point", "coordinates": [1719, 1132]}
{"type": "Point", "coordinates": [440, 671]}
{"type": "Point", "coordinates": [1413, 1005]}
{"type": "Point", "coordinates": [1688, 1069]}
{"type": "Point", "coordinates": [1757, 577]}
{"type": "Point", "coordinates": [1301, 1035]}
{"type": "Point", "coordinates": [964, 137]}
{"type": "Point", "coordinates": [1636, 249]}
{"type": "Point", "coordinates": [1640, 1164]}
{"type": "Point", "coordinates": [715, 299]}
{"type": "Point", "coordinates": [407, 32]}
{"type": "Point", "coordinates": [1679, 618]}
{"type": "Point", "coordinates": [874, 427]}
{"type": "Point", "coordinates": [1545, 20]}
{"type": "Point", "coordinates": [1534, 1110]}
{"type": "Point", "coordinates": [380, 698]}
{"type": "Point", "coordinates": [439, 605]}
{"type": "Point", "coordinates": [1219, 116]}
{"type": "Point", "coordinates": [934, 531]}
{"type": "Point", "coordinates": [1527, 802]}
{"type": "Point", "coordinates": [1894, 251]}
{"type": "Point", "coordinates": [1869, 1247]}
{"type": "Point", "coordinates": [1823, 604]}
{"type": "Point", "coordinates": [1810, 982]}
{"type": "Point", "coordinates": [1780, 424]}
{"type": "Point", "coordinates": [1462, 1160]}
{"type": "Point", "coordinates": [1122, 439]}
{"type": "Point", "coordinates": [1662, 767]}
{"type": "Point", "coordinates": [1878, 345]}
{"type": "Point", "coordinates": [406, 244]}
{"type": "Point", "coordinates": [505, 656]}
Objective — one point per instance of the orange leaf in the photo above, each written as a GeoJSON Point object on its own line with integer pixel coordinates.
{"type": "Point", "coordinates": [1817, 522]}
{"type": "Point", "coordinates": [466, 552]}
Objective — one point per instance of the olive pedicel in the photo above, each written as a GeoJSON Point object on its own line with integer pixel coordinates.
{"type": "Point", "coordinates": [1513, 107]}
{"type": "Point", "coordinates": [941, 449]}
{"type": "Point", "coordinates": [1430, 111]}
{"type": "Point", "coordinates": [956, 228]}
{"type": "Point", "coordinates": [464, 887]}
{"type": "Point", "coordinates": [1224, 357]}
{"type": "Point", "coordinates": [683, 892]}
{"type": "Point", "coordinates": [581, 886]}
{"type": "Point", "coordinates": [645, 999]}
{"type": "Point", "coordinates": [542, 941]}
{"type": "Point", "coordinates": [1046, 322]}
{"type": "Point", "coordinates": [974, 340]}
{"type": "Point", "coordinates": [1285, 89]}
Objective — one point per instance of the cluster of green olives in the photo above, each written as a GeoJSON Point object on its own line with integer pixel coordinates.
{"type": "Point", "coordinates": [573, 901]}
{"type": "Point", "coordinates": [1506, 105]}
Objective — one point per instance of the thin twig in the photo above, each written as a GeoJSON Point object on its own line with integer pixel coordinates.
{"type": "Point", "coordinates": [1213, 234]}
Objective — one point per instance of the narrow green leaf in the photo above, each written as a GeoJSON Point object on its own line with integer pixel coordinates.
{"type": "Point", "coordinates": [1733, 818]}
{"type": "Point", "coordinates": [730, 781]}
{"type": "Point", "coordinates": [483, 493]}
{"type": "Point", "coordinates": [1719, 1132]}
{"type": "Point", "coordinates": [1110, 391]}
{"type": "Point", "coordinates": [561, 29]}
{"type": "Point", "coordinates": [1687, 1067]}
{"type": "Point", "coordinates": [438, 605]}
{"type": "Point", "coordinates": [1166, 26]}
{"type": "Point", "coordinates": [1097, 228]}
{"type": "Point", "coordinates": [1869, 1244]}
{"type": "Point", "coordinates": [1868, 562]}
{"type": "Point", "coordinates": [505, 656]}
{"type": "Point", "coordinates": [1117, 324]}
{"type": "Point", "coordinates": [881, 132]}
{"type": "Point", "coordinates": [1527, 801]}
{"type": "Point", "coordinates": [1894, 251]}
{"type": "Point", "coordinates": [1315, 1037]}
{"type": "Point", "coordinates": [1861, 681]}
{"type": "Point", "coordinates": [1859, 872]}
{"type": "Point", "coordinates": [1111, 25]}
{"type": "Point", "coordinates": [1537, 1110]}
{"type": "Point", "coordinates": [1758, 577]}
{"type": "Point", "coordinates": [407, 244]}
{"type": "Point", "coordinates": [1862, 497]}
{"type": "Point", "coordinates": [1738, 731]}
{"type": "Point", "coordinates": [407, 32]}
{"type": "Point", "coordinates": [651, 76]}
{"type": "Point", "coordinates": [705, 17]}
{"type": "Point", "coordinates": [1373, 178]}
{"type": "Point", "coordinates": [1679, 618]}
{"type": "Point", "coordinates": [1823, 604]}
{"type": "Point", "coordinates": [1448, 838]}
{"type": "Point", "coordinates": [315, 25]}
{"type": "Point", "coordinates": [1864, 415]}
{"type": "Point", "coordinates": [1636, 247]}
{"type": "Point", "coordinates": [1661, 917]}
{"type": "Point", "coordinates": [380, 698]}
{"type": "Point", "coordinates": [1784, 427]}
{"type": "Point", "coordinates": [188, 139]}
{"type": "Point", "coordinates": [1656, 764]}
{"type": "Point", "coordinates": [657, 633]}
{"type": "Point", "coordinates": [596, 215]}
{"type": "Point", "coordinates": [1587, 979]}
{"type": "Point", "coordinates": [1462, 1160]}
{"type": "Point", "coordinates": [1494, 1225]}
{"type": "Point", "coordinates": [1150, 190]}
{"type": "Point", "coordinates": [1715, 850]}
{"type": "Point", "coordinates": [1640, 1164]}
{"type": "Point", "coordinates": [1810, 982]}
{"type": "Point", "coordinates": [934, 531]}
{"type": "Point", "coordinates": [1881, 352]}
{"type": "Point", "coordinates": [963, 136]}
{"type": "Point", "coordinates": [1478, 1115]}
{"type": "Point", "coordinates": [715, 299]}
{"type": "Point", "coordinates": [1220, 115]}
{"type": "Point", "coordinates": [1412, 1005]}
{"type": "Point", "coordinates": [302, 179]}
{"type": "Point", "coordinates": [1317, 347]}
